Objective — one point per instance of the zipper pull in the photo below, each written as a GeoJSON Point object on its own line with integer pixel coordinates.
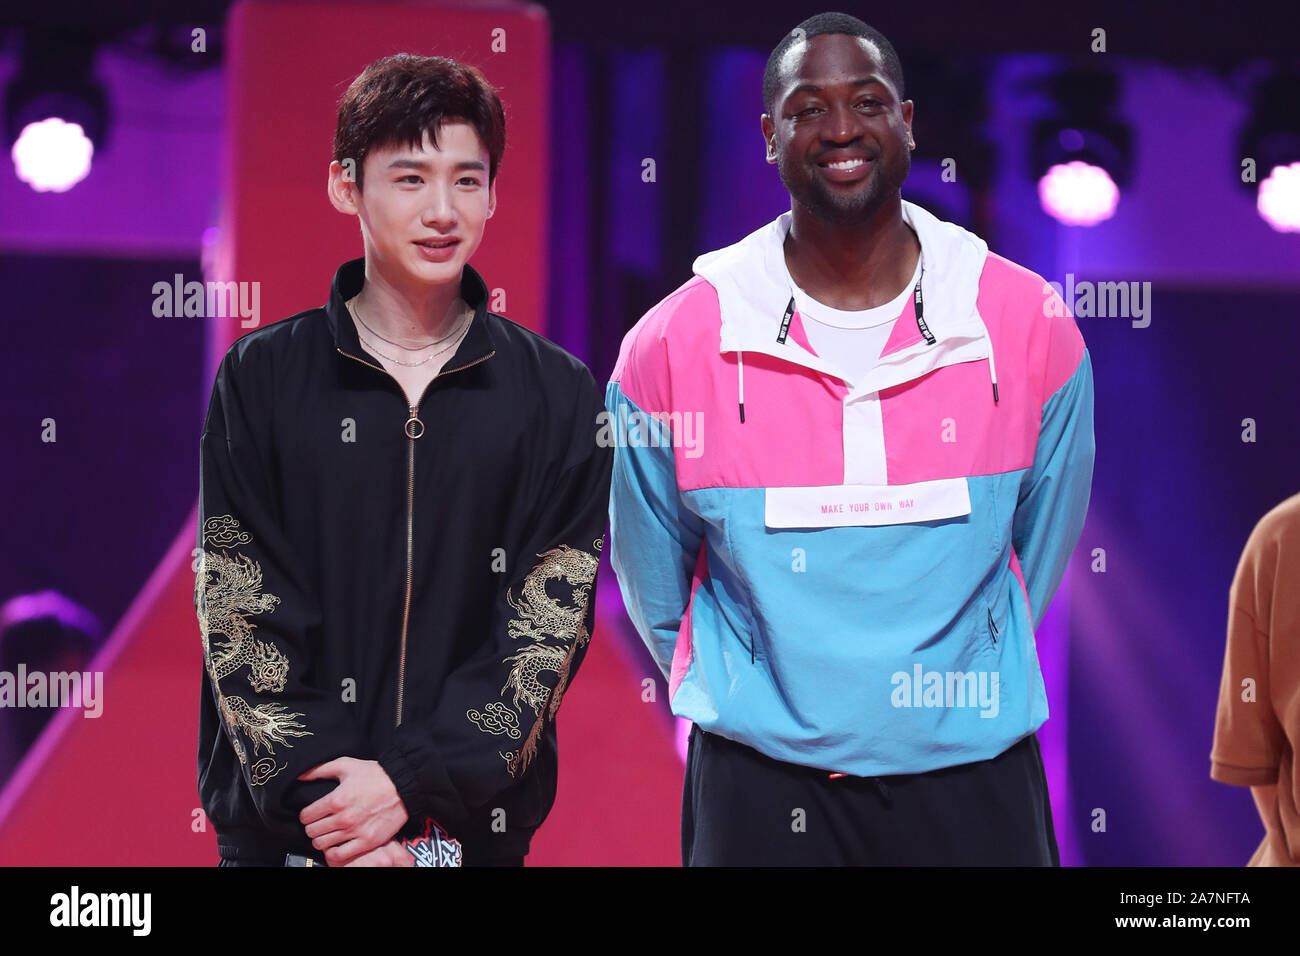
{"type": "Point", "coordinates": [414, 428]}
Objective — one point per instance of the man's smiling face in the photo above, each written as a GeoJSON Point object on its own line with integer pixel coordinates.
{"type": "Point", "coordinates": [838, 131]}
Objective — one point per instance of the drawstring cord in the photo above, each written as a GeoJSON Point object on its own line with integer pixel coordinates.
{"type": "Point", "coordinates": [918, 306]}
{"type": "Point", "coordinates": [993, 372]}
{"type": "Point", "coordinates": [740, 380]}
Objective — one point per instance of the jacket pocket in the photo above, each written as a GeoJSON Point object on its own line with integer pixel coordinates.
{"type": "Point", "coordinates": [748, 635]}
{"type": "Point", "coordinates": [994, 612]}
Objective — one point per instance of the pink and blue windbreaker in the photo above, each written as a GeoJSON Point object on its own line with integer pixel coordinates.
{"type": "Point", "coordinates": [848, 575]}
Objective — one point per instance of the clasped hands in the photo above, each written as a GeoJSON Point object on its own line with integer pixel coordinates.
{"type": "Point", "coordinates": [354, 824]}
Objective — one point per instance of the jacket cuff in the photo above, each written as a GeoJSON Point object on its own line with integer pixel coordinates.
{"type": "Point", "coordinates": [402, 774]}
{"type": "Point", "coordinates": [422, 783]}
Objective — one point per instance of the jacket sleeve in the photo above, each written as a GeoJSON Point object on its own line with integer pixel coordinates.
{"type": "Point", "coordinates": [259, 620]}
{"type": "Point", "coordinates": [1054, 491]}
{"type": "Point", "coordinates": [494, 708]}
{"type": "Point", "coordinates": [655, 540]}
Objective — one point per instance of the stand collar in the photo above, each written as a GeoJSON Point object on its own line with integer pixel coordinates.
{"type": "Point", "coordinates": [351, 276]}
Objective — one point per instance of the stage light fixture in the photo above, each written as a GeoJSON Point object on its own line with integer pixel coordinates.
{"type": "Point", "coordinates": [1082, 151]}
{"type": "Point", "coordinates": [56, 114]}
{"type": "Point", "coordinates": [1269, 148]}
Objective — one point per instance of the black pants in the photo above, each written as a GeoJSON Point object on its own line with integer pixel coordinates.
{"type": "Point", "coordinates": [742, 808]}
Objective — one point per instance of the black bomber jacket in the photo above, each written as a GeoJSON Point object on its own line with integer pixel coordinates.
{"type": "Point", "coordinates": [409, 585]}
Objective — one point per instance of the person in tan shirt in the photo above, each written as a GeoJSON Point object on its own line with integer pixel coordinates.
{"type": "Point", "coordinates": [1258, 719]}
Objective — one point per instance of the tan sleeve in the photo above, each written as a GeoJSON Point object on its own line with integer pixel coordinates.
{"type": "Point", "coordinates": [1248, 738]}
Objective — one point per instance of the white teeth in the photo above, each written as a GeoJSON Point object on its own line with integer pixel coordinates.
{"type": "Point", "coordinates": [846, 164]}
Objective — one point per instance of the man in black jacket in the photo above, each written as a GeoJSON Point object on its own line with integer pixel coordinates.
{"type": "Point", "coordinates": [402, 507]}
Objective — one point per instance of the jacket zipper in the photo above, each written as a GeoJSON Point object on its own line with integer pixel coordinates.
{"type": "Point", "coordinates": [410, 546]}
{"type": "Point", "coordinates": [993, 628]}
{"type": "Point", "coordinates": [408, 428]}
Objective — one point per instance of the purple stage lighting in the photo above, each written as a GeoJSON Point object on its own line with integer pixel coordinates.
{"type": "Point", "coordinates": [1078, 193]}
{"type": "Point", "coordinates": [52, 155]}
{"type": "Point", "coordinates": [1082, 148]}
{"type": "Point", "coordinates": [1269, 144]}
{"type": "Point", "coordinates": [1279, 198]}
{"type": "Point", "coordinates": [55, 110]}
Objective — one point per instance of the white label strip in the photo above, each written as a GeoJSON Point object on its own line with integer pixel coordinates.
{"type": "Point", "coordinates": [842, 506]}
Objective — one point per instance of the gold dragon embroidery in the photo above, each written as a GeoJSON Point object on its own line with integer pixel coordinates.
{"type": "Point", "coordinates": [227, 590]}
{"type": "Point", "coordinates": [554, 631]}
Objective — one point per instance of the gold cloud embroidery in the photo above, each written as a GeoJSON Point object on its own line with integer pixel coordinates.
{"type": "Point", "coordinates": [227, 590]}
{"type": "Point", "coordinates": [496, 718]}
{"type": "Point", "coordinates": [554, 630]}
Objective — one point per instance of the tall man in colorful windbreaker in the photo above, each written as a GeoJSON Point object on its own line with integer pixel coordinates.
{"type": "Point", "coordinates": [841, 572]}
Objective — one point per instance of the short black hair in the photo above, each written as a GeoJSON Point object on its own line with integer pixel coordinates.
{"type": "Point", "coordinates": [819, 25]}
{"type": "Point", "coordinates": [398, 98]}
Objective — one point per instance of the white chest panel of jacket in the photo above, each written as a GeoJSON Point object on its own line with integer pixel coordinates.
{"type": "Point", "coordinates": [853, 341]}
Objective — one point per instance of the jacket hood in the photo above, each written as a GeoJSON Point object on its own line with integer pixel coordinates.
{"type": "Point", "coordinates": [753, 296]}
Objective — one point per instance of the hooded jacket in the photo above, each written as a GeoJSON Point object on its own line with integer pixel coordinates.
{"type": "Point", "coordinates": [840, 574]}
{"type": "Point", "coordinates": [405, 584]}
